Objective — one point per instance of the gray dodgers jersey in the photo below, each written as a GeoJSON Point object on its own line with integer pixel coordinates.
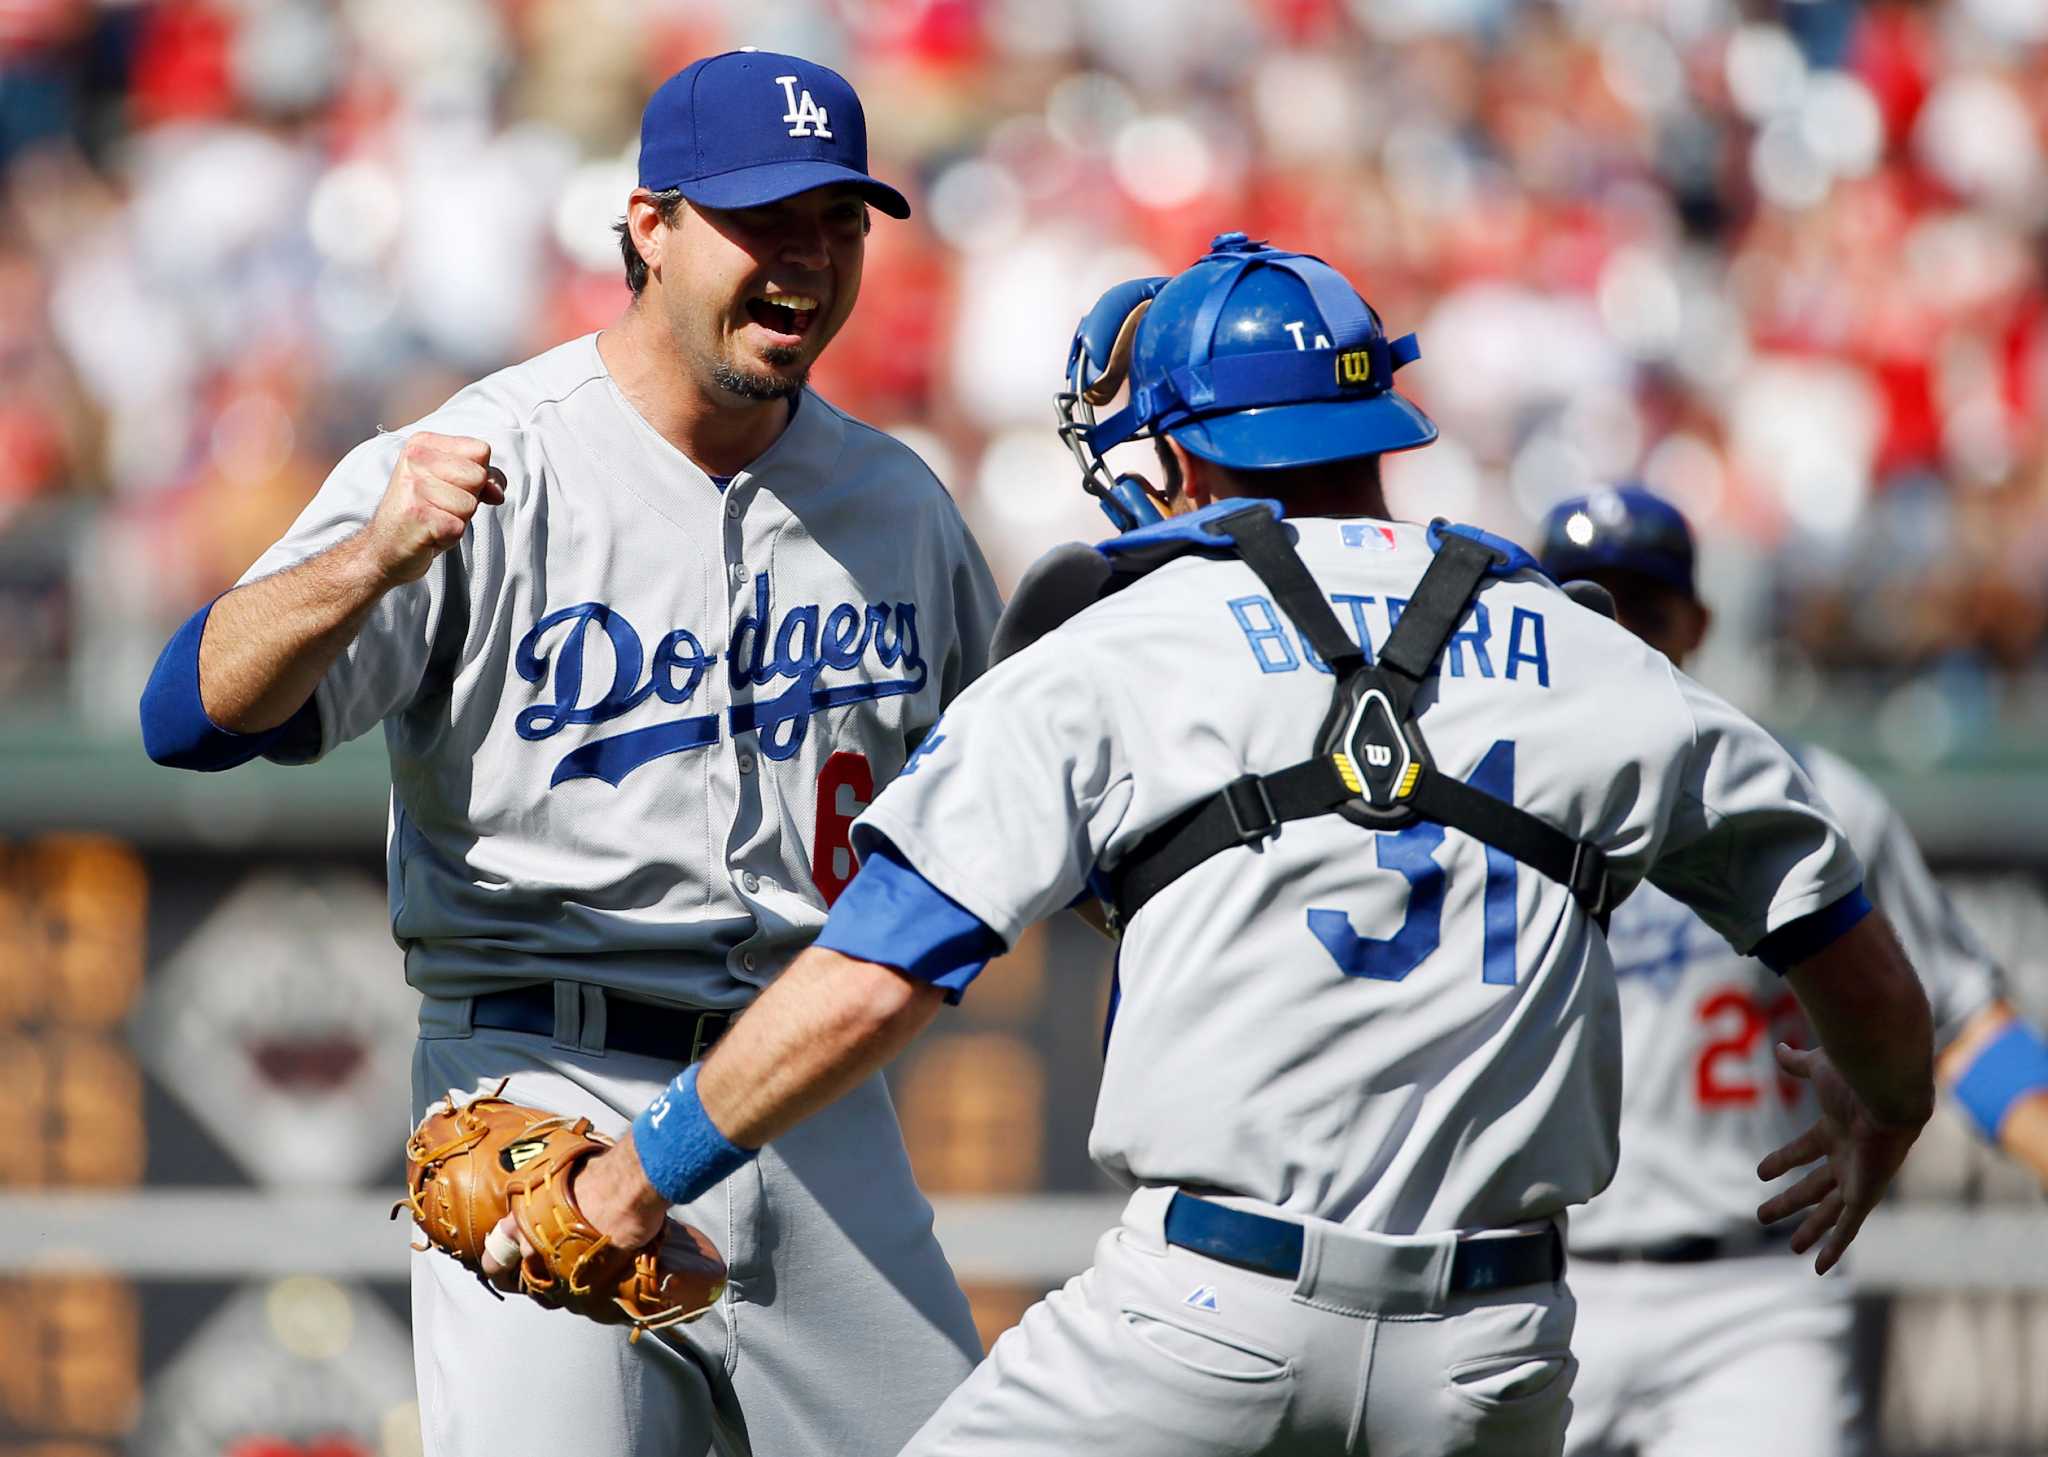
{"type": "Point", "coordinates": [1403, 1032]}
{"type": "Point", "coordinates": [628, 710]}
{"type": "Point", "coordinates": [1702, 1097]}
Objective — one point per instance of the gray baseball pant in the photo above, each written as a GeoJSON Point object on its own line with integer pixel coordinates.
{"type": "Point", "coordinates": [1157, 1351]}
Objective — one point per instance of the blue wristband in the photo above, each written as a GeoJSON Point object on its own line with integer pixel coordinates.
{"type": "Point", "coordinates": [681, 1150]}
{"type": "Point", "coordinates": [2010, 1067]}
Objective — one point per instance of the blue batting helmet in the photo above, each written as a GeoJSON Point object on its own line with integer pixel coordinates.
{"type": "Point", "coordinates": [1254, 357]}
{"type": "Point", "coordinates": [1624, 528]}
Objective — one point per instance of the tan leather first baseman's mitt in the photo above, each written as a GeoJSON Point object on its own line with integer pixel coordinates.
{"type": "Point", "coordinates": [468, 1164]}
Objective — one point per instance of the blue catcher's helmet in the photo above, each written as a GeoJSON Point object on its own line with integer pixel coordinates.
{"type": "Point", "coordinates": [1255, 358]}
{"type": "Point", "coordinates": [1624, 528]}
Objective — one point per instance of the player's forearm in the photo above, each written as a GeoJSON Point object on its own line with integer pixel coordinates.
{"type": "Point", "coordinates": [268, 644]}
{"type": "Point", "coordinates": [827, 1024]}
{"type": "Point", "coordinates": [1868, 1011]}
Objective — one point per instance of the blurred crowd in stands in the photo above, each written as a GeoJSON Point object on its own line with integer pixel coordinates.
{"type": "Point", "coordinates": [1785, 261]}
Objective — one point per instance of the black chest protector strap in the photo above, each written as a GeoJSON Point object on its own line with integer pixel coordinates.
{"type": "Point", "coordinates": [1372, 765]}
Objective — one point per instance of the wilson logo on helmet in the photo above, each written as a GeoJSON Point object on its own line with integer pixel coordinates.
{"type": "Point", "coordinates": [1354, 367]}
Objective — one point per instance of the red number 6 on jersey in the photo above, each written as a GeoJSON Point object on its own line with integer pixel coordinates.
{"type": "Point", "coordinates": [845, 785]}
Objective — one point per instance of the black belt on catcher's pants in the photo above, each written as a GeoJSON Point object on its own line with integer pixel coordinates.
{"type": "Point", "coordinates": [1273, 1247]}
{"type": "Point", "coordinates": [1695, 1249]}
{"type": "Point", "coordinates": [674, 1034]}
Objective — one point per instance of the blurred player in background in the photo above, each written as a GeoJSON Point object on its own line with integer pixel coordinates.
{"type": "Point", "coordinates": [1699, 1332]}
{"type": "Point", "coordinates": [645, 623]}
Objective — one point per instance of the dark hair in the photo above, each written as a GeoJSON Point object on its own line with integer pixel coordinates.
{"type": "Point", "coordinates": [1289, 483]}
{"type": "Point", "coordinates": [667, 203]}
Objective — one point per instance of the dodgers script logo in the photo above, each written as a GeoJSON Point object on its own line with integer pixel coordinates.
{"type": "Point", "coordinates": [797, 649]}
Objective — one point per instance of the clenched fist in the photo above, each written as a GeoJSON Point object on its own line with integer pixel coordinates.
{"type": "Point", "coordinates": [436, 487]}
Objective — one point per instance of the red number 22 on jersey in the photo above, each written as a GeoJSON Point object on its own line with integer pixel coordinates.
{"type": "Point", "coordinates": [1745, 1021]}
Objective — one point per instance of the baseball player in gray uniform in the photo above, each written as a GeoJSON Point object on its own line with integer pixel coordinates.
{"type": "Point", "coordinates": [1363, 1054]}
{"type": "Point", "coordinates": [1698, 1332]}
{"type": "Point", "coordinates": [646, 624]}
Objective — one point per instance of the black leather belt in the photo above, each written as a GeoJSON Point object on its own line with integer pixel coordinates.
{"type": "Point", "coordinates": [1273, 1247]}
{"type": "Point", "coordinates": [1692, 1249]}
{"type": "Point", "coordinates": [675, 1034]}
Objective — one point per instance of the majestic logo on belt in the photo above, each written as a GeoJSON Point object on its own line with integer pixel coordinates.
{"type": "Point", "coordinates": [805, 116]}
{"type": "Point", "coordinates": [797, 649]}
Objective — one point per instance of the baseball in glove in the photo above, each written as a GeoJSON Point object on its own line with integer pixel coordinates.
{"type": "Point", "coordinates": [469, 1164]}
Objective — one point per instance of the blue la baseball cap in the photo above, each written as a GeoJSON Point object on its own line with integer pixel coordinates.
{"type": "Point", "coordinates": [752, 127]}
{"type": "Point", "coordinates": [1624, 528]}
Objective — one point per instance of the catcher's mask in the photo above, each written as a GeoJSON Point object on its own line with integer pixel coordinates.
{"type": "Point", "coordinates": [1254, 357]}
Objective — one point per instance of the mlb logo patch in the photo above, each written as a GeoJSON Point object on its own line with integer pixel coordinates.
{"type": "Point", "coordinates": [1368, 535]}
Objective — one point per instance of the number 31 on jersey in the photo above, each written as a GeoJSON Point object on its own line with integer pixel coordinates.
{"type": "Point", "coordinates": [1411, 852]}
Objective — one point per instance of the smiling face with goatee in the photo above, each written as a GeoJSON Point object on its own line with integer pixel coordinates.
{"type": "Point", "coordinates": [753, 295]}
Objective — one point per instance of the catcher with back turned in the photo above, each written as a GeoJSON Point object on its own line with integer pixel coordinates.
{"type": "Point", "coordinates": [646, 623]}
{"type": "Point", "coordinates": [1331, 771]}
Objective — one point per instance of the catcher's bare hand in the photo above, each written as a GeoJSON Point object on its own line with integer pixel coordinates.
{"type": "Point", "coordinates": [1858, 1157]}
{"type": "Point", "coordinates": [612, 1192]}
{"type": "Point", "coordinates": [435, 489]}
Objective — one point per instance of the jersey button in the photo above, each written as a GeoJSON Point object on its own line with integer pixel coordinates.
{"type": "Point", "coordinates": [739, 574]}
{"type": "Point", "coordinates": [751, 881]}
{"type": "Point", "coordinates": [746, 764]}
{"type": "Point", "coordinates": [747, 961]}
{"type": "Point", "coordinates": [732, 508]}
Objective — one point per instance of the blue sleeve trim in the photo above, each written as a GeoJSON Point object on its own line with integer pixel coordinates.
{"type": "Point", "coordinates": [176, 731]}
{"type": "Point", "coordinates": [681, 1150]}
{"type": "Point", "coordinates": [892, 916]}
{"type": "Point", "coordinates": [1795, 941]}
{"type": "Point", "coordinates": [2008, 1069]}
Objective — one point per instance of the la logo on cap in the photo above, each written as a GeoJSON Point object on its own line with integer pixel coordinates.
{"type": "Point", "coordinates": [805, 116]}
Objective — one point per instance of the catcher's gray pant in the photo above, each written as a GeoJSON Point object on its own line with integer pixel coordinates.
{"type": "Point", "coordinates": [842, 1328]}
{"type": "Point", "coordinates": [1749, 1354]}
{"type": "Point", "coordinates": [1157, 1351]}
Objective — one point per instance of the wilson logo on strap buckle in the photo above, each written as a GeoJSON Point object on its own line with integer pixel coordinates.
{"type": "Point", "coordinates": [1376, 760]}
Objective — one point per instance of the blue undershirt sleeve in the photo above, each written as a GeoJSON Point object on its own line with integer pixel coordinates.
{"type": "Point", "coordinates": [176, 730]}
{"type": "Point", "coordinates": [1812, 933]}
{"type": "Point", "coordinates": [892, 916]}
